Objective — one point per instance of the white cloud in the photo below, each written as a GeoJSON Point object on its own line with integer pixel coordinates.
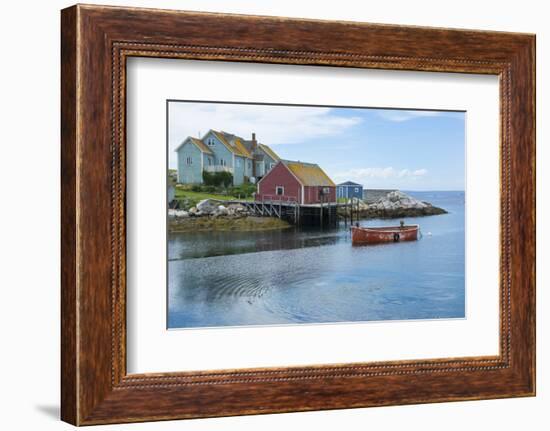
{"type": "Point", "coordinates": [420, 172]}
{"type": "Point", "coordinates": [272, 124]}
{"type": "Point", "coordinates": [399, 115]}
{"type": "Point", "coordinates": [388, 175]}
{"type": "Point", "coordinates": [408, 173]}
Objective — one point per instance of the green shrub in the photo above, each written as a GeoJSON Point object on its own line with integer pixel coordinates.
{"type": "Point", "coordinates": [226, 178]}
{"type": "Point", "coordinates": [210, 189]}
{"type": "Point", "coordinates": [208, 178]}
{"type": "Point", "coordinates": [216, 179]}
{"type": "Point", "coordinates": [244, 190]}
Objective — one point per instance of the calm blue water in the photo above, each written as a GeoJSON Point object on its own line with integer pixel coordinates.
{"type": "Point", "coordinates": [310, 276]}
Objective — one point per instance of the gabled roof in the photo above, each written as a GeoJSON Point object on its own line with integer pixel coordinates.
{"type": "Point", "coordinates": [350, 183]}
{"type": "Point", "coordinates": [232, 143]}
{"type": "Point", "coordinates": [204, 148]}
{"type": "Point", "coordinates": [198, 143]}
{"type": "Point", "coordinates": [240, 146]}
{"type": "Point", "coordinates": [235, 144]}
{"type": "Point", "coordinates": [309, 174]}
{"type": "Point", "coordinates": [269, 152]}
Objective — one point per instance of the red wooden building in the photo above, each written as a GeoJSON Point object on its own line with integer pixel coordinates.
{"type": "Point", "coordinates": [305, 183]}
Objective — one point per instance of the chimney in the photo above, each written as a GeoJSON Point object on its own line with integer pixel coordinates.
{"type": "Point", "coordinates": [254, 142]}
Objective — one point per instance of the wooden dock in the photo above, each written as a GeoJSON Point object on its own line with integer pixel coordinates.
{"type": "Point", "coordinates": [322, 214]}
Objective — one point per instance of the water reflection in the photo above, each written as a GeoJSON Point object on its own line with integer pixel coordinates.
{"type": "Point", "coordinates": [206, 244]}
{"type": "Point", "coordinates": [311, 276]}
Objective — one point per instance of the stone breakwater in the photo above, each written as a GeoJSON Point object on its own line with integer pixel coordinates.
{"type": "Point", "coordinates": [395, 204]}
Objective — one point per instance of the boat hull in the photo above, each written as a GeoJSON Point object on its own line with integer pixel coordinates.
{"type": "Point", "coordinates": [380, 235]}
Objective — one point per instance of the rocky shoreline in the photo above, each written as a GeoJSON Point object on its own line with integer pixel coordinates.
{"type": "Point", "coordinates": [210, 208]}
{"type": "Point", "coordinates": [210, 214]}
{"type": "Point", "coordinates": [240, 224]}
{"type": "Point", "coordinates": [395, 204]}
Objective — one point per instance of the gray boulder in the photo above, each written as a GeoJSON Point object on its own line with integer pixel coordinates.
{"type": "Point", "coordinates": [221, 210]}
{"type": "Point", "coordinates": [236, 208]}
{"type": "Point", "coordinates": [397, 200]}
{"type": "Point", "coordinates": [177, 213]}
{"type": "Point", "coordinates": [358, 204]}
{"type": "Point", "coordinates": [207, 206]}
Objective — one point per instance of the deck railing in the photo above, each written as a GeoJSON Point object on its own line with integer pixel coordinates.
{"type": "Point", "coordinates": [276, 199]}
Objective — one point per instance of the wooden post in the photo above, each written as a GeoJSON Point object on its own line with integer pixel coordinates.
{"type": "Point", "coordinates": [346, 212]}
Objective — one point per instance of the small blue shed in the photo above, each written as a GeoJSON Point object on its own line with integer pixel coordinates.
{"type": "Point", "coordinates": [349, 190]}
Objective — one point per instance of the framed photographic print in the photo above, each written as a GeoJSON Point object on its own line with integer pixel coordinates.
{"type": "Point", "coordinates": [267, 215]}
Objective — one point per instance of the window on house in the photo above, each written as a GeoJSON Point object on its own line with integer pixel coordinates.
{"type": "Point", "coordinates": [326, 190]}
{"type": "Point", "coordinates": [238, 163]}
{"type": "Point", "coordinates": [279, 190]}
{"type": "Point", "coordinates": [223, 162]}
{"type": "Point", "coordinates": [189, 160]}
{"type": "Point", "coordinates": [271, 165]}
{"type": "Point", "coordinates": [209, 161]}
{"type": "Point", "coordinates": [210, 142]}
{"type": "Point", "coordinates": [356, 189]}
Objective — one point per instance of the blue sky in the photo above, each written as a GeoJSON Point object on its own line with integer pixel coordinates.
{"type": "Point", "coordinates": [379, 148]}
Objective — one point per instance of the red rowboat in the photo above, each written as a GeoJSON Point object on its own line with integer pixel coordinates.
{"type": "Point", "coordinates": [378, 235]}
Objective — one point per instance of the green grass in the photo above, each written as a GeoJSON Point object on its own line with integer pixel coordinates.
{"type": "Point", "coordinates": [199, 196]}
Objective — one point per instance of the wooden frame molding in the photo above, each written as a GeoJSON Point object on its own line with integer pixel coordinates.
{"type": "Point", "coordinates": [95, 42]}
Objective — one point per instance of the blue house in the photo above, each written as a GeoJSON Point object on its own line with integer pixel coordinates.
{"type": "Point", "coordinates": [349, 190]}
{"type": "Point", "coordinates": [246, 160]}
